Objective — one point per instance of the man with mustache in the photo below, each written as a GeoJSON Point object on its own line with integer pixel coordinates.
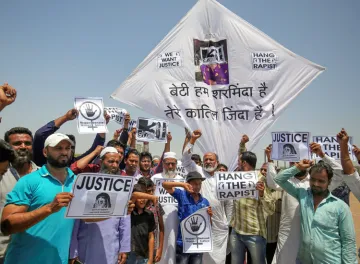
{"type": "Point", "coordinates": [42, 133]}
{"type": "Point", "coordinates": [20, 139]}
{"type": "Point", "coordinates": [327, 227]}
{"type": "Point", "coordinates": [171, 221]}
{"type": "Point", "coordinates": [109, 240]}
{"type": "Point", "coordinates": [131, 164]}
{"type": "Point", "coordinates": [221, 210]}
{"type": "Point", "coordinates": [35, 208]}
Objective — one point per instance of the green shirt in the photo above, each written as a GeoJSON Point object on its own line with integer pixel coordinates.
{"type": "Point", "coordinates": [327, 234]}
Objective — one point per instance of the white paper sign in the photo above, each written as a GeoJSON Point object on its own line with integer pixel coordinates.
{"type": "Point", "coordinates": [180, 169]}
{"type": "Point", "coordinates": [235, 185]}
{"type": "Point", "coordinates": [169, 60]}
{"type": "Point", "coordinates": [91, 115]}
{"type": "Point", "coordinates": [217, 89]}
{"type": "Point", "coordinates": [290, 146]}
{"type": "Point", "coordinates": [196, 232]}
{"type": "Point", "coordinates": [151, 130]}
{"type": "Point", "coordinates": [132, 123]}
{"type": "Point", "coordinates": [331, 147]}
{"type": "Point", "coordinates": [98, 195]}
{"type": "Point", "coordinates": [264, 60]}
{"type": "Point", "coordinates": [117, 114]}
{"type": "Point", "coordinates": [164, 197]}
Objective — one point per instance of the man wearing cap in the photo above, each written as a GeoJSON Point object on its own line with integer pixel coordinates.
{"type": "Point", "coordinates": [189, 201]}
{"type": "Point", "coordinates": [171, 220]}
{"type": "Point", "coordinates": [106, 241]}
{"type": "Point", "coordinates": [221, 210]}
{"type": "Point", "coordinates": [35, 209]}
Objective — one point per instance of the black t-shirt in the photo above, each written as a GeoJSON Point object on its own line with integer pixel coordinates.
{"type": "Point", "coordinates": [141, 226]}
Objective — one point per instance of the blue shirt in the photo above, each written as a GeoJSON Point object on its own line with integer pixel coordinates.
{"type": "Point", "coordinates": [327, 234]}
{"type": "Point", "coordinates": [41, 135]}
{"type": "Point", "coordinates": [186, 207]}
{"type": "Point", "coordinates": [49, 240]}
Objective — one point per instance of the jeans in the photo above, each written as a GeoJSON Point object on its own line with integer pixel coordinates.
{"type": "Point", "coordinates": [256, 246]}
{"type": "Point", "coordinates": [187, 258]}
{"type": "Point", "coordinates": [133, 259]}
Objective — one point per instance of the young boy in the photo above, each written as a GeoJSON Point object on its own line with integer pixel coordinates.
{"type": "Point", "coordinates": [158, 212]}
{"type": "Point", "coordinates": [142, 232]}
{"type": "Point", "coordinates": [189, 201]}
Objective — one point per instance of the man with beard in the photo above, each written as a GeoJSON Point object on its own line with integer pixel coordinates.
{"type": "Point", "coordinates": [222, 210]}
{"type": "Point", "coordinates": [42, 133]}
{"type": "Point", "coordinates": [109, 240]}
{"type": "Point", "coordinates": [84, 165]}
{"type": "Point", "coordinates": [171, 221]}
{"type": "Point", "coordinates": [327, 227]}
{"type": "Point", "coordinates": [33, 217]}
{"type": "Point", "coordinates": [21, 139]}
{"type": "Point", "coordinates": [289, 231]}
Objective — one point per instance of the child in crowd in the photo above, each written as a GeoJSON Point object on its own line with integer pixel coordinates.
{"type": "Point", "coordinates": [158, 212]}
{"type": "Point", "coordinates": [142, 232]}
{"type": "Point", "coordinates": [189, 201]}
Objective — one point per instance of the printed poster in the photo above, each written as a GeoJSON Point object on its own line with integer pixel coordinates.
{"type": "Point", "coordinates": [290, 146]}
{"type": "Point", "coordinates": [98, 195]}
{"type": "Point", "coordinates": [151, 130]}
{"type": "Point", "coordinates": [91, 118]}
{"type": "Point", "coordinates": [331, 147]}
{"type": "Point", "coordinates": [196, 232]}
{"type": "Point", "coordinates": [164, 197]}
{"type": "Point", "coordinates": [236, 185]}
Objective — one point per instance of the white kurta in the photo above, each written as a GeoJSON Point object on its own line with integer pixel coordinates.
{"type": "Point", "coordinates": [171, 225]}
{"type": "Point", "coordinates": [289, 232]}
{"type": "Point", "coordinates": [221, 212]}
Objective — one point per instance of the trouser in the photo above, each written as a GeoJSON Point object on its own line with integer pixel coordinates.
{"type": "Point", "coordinates": [134, 259]}
{"type": "Point", "coordinates": [270, 251]}
{"type": "Point", "coordinates": [256, 246]}
{"type": "Point", "coordinates": [187, 258]}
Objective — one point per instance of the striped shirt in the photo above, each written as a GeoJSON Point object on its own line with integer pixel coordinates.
{"type": "Point", "coordinates": [273, 221]}
{"type": "Point", "coordinates": [249, 215]}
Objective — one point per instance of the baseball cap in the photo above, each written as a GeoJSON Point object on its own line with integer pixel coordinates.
{"type": "Point", "coordinates": [194, 175]}
{"type": "Point", "coordinates": [55, 139]}
{"type": "Point", "coordinates": [108, 150]}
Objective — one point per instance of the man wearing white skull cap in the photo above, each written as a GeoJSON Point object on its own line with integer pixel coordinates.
{"type": "Point", "coordinates": [171, 220]}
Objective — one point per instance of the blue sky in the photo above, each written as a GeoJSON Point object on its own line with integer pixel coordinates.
{"type": "Point", "coordinates": [53, 51]}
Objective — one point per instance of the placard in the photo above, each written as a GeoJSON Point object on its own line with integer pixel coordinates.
{"type": "Point", "coordinates": [196, 232]}
{"type": "Point", "coordinates": [290, 146]}
{"type": "Point", "coordinates": [236, 185]}
{"type": "Point", "coordinates": [98, 195]}
{"type": "Point", "coordinates": [91, 118]}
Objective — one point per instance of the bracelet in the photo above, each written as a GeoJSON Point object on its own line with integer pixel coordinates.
{"type": "Point", "coordinates": [345, 159]}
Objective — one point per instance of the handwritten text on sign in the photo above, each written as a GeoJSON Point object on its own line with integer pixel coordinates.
{"type": "Point", "coordinates": [235, 185]}
{"type": "Point", "coordinates": [164, 197]}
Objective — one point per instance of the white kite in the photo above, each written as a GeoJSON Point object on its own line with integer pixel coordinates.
{"type": "Point", "coordinates": [216, 72]}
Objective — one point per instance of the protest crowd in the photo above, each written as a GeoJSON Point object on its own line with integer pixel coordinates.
{"type": "Point", "coordinates": [298, 214]}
